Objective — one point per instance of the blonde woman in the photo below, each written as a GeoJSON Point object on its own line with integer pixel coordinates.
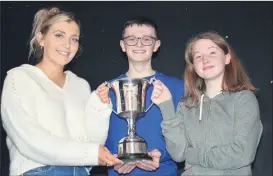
{"type": "Point", "coordinates": [54, 124]}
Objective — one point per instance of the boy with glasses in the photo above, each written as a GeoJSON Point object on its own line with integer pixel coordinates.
{"type": "Point", "coordinates": [139, 41]}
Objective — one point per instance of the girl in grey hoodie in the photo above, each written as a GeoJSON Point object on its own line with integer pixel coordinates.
{"type": "Point", "coordinates": [216, 128]}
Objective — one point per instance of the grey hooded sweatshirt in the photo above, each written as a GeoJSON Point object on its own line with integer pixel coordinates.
{"type": "Point", "coordinates": [218, 137]}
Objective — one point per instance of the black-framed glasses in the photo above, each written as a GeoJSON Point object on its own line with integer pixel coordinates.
{"type": "Point", "coordinates": [145, 40]}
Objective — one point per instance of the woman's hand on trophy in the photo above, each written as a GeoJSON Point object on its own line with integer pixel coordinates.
{"type": "Point", "coordinates": [160, 93]}
{"type": "Point", "coordinates": [103, 93]}
{"type": "Point", "coordinates": [149, 165]}
{"type": "Point", "coordinates": [106, 158]}
{"type": "Point", "coordinates": [125, 168]}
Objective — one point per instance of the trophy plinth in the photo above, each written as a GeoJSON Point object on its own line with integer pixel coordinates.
{"type": "Point", "coordinates": [132, 149]}
{"type": "Point", "coordinates": [130, 100]}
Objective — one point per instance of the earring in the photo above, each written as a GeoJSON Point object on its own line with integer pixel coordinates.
{"type": "Point", "coordinates": [41, 52]}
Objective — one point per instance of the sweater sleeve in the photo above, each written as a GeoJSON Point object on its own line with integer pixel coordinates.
{"type": "Point", "coordinates": [173, 130]}
{"type": "Point", "coordinates": [97, 119]}
{"type": "Point", "coordinates": [29, 137]}
{"type": "Point", "coordinates": [247, 132]}
{"type": "Point", "coordinates": [177, 94]}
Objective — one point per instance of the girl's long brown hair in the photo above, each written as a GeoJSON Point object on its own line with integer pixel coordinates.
{"type": "Point", "coordinates": [235, 78]}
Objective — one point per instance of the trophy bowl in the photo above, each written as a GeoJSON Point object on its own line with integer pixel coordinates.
{"type": "Point", "coordinates": [130, 101]}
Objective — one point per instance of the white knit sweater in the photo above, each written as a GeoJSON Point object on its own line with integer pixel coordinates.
{"type": "Point", "coordinates": [49, 125]}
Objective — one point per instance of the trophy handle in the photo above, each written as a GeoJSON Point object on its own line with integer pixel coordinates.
{"type": "Point", "coordinates": [110, 85]}
{"type": "Point", "coordinates": [149, 107]}
{"type": "Point", "coordinates": [150, 82]}
{"type": "Point", "coordinates": [114, 111]}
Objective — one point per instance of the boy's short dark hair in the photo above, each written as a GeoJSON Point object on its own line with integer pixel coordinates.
{"type": "Point", "coordinates": [141, 21]}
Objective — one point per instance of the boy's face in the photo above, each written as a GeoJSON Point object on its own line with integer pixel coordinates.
{"type": "Point", "coordinates": [139, 52]}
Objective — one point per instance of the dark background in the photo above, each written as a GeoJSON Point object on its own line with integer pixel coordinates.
{"type": "Point", "coordinates": [247, 27]}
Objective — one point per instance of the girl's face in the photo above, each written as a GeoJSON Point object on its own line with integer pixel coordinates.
{"type": "Point", "coordinates": [209, 59]}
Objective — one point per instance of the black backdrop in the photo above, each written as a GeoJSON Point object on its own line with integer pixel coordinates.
{"type": "Point", "coordinates": [246, 25]}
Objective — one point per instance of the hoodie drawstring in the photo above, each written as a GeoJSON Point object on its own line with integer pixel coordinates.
{"type": "Point", "coordinates": [201, 107]}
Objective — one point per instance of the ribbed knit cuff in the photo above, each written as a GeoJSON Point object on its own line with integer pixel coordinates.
{"type": "Point", "coordinates": [167, 109]}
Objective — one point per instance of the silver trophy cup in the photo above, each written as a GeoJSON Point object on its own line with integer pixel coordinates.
{"type": "Point", "coordinates": [130, 100]}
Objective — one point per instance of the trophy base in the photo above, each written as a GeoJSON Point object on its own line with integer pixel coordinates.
{"type": "Point", "coordinates": [134, 157]}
